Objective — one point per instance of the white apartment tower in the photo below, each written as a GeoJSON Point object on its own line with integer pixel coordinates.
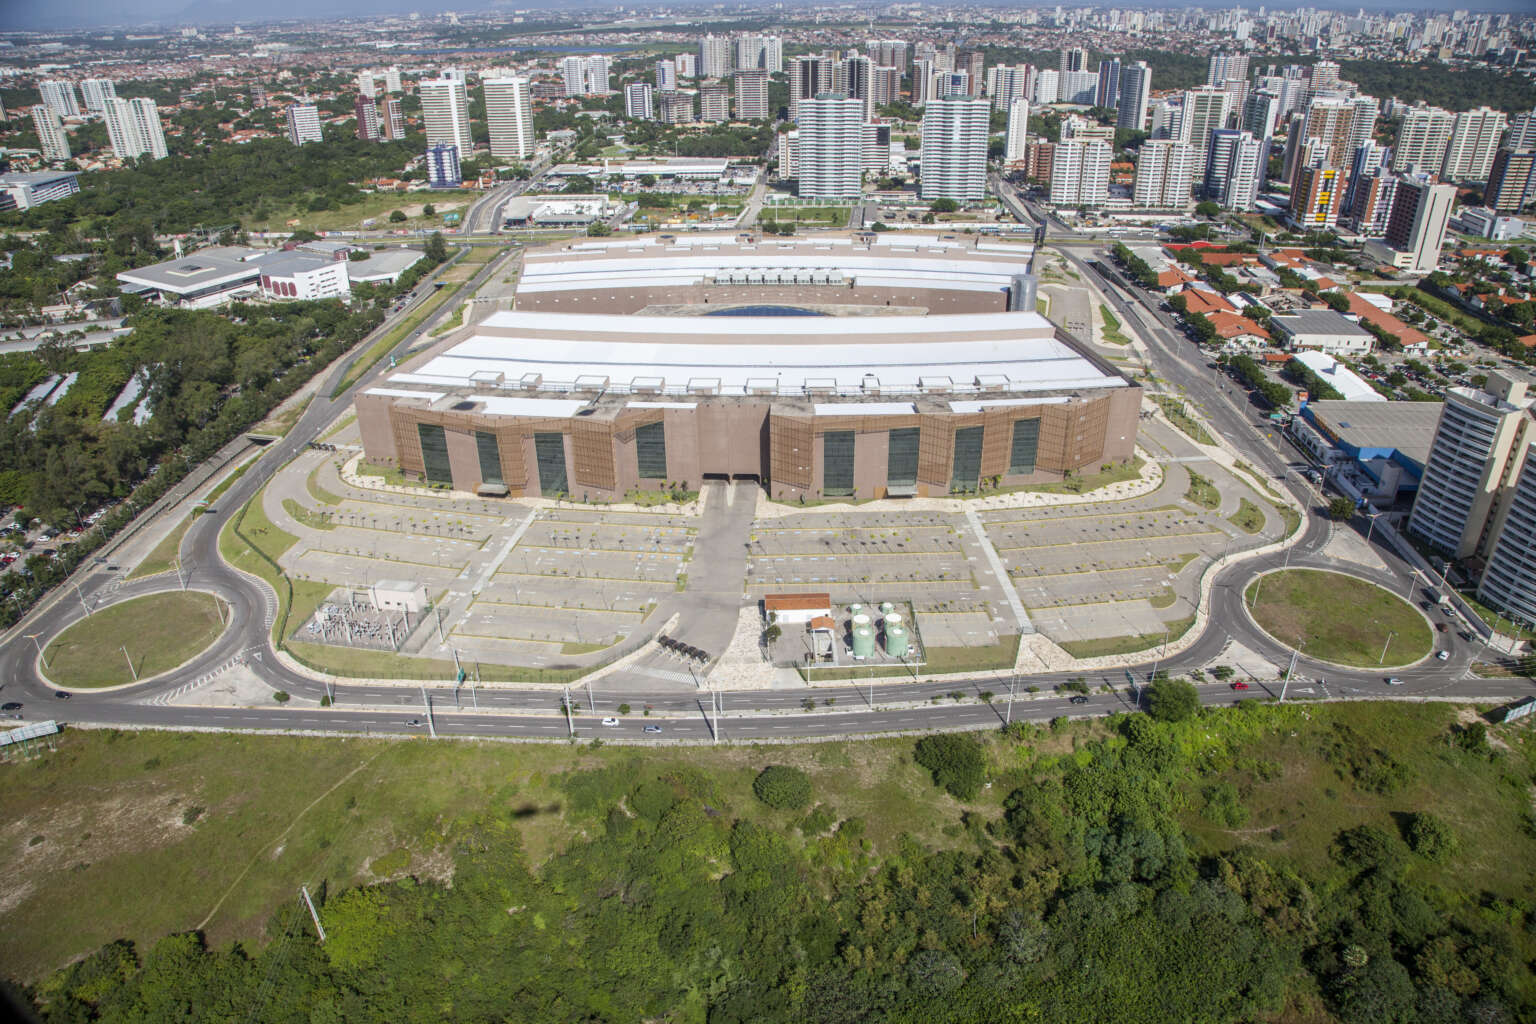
{"type": "Point", "coordinates": [1474, 140]}
{"type": "Point", "coordinates": [1422, 139]}
{"type": "Point", "coordinates": [638, 101]}
{"type": "Point", "coordinates": [1008, 82]}
{"type": "Point", "coordinates": [133, 127]}
{"type": "Point", "coordinates": [1205, 111]}
{"type": "Point", "coordinates": [585, 76]}
{"type": "Point", "coordinates": [1509, 581]}
{"type": "Point", "coordinates": [96, 92]}
{"type": "Point", "coordinates": [367, 85]}
{"type": "Point", "coordinates": [954, 160]}
{"type": "Point", "coordinates": [445, 111]}
{"type": "Point", "coordinates": [1165, 174]}
{"type": "Point", "coordinates": [50, 133]}
{"type": "Point", "coordinates": [509, 116]}
{"type": "Point", "coordinates": [303, 124]}
{"type": "Point", "coordinates": [1080, 173]}
{"type": "Point", "coordinates": [666, 75]}
{"type": "Point", "coordinates": [752, 95]}
{"type": "Point", "coordinates": [1135, 93]}
{"type": "Point", "coordinates": [1018, 130]}
{"type": "Point", "coordinates": [829, 151]}
{"type": "Point", "coordinates": [59, 97]}
{"type": "Point", "coordinates": [714, 56]}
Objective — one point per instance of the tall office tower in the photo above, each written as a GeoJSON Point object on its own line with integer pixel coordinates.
{"type": "Point", "coordinates": [715, 102]}
{"type": "Point", "coordinates": [1018, 130]}
{"type": "Point", "coordinates": [809, 77]}
{"type": "Point", "coordinates": [367, 84]}
{"type": "Point", "coordinates": [973, 63]}
{"type": "Point", "coordinates": [714, 56]}
{"type": "Point", "coordinates": [1205, 111]}
{"type": "Point", "coordinates": [877, 149]}
{"type": "Point", "coordinates": [1509, 582]}
{"type": "Point", "coordinates": [1165, 173]}
{"type": "Point", "coordinates": [304, 124]}
{"type": "Point", "coordinates": [1226, 67]}
{"type": "Point", "coordinates": [1075, 59]}
{"type": "Point", "coordinates": [687, 66]}
{"type": "Point", "coordinates": [891, 53]}
{"type": "Point", "coordinates": [445, 111]}
{"type": "Point", "coordinates": [666, 75]}
{"type": "Point", "coordinates": [394, 119]}
{"type": "Point", "coordinates": [1478, 435]}
{"type": "Point", "coordinates": [955, 133]}
{"type": "Point", "coordinates": [1416, 225]}
{"type": "Point", "coordinates": [1422, 138]}
{"type": "Point", "coordinates": [50, 133]}
{"type": "Point", "coordinates": [752, 96]}
{"type": "Point", "coordinates": [1522, 132]}
{"type": "Point", "coordinates": [1315, 196]}
{"type": "Point", "coordinates": [509, 116]}
{"type": "Point", "coordinates": [676, 107]}
{"type": "Point", "coordinates": [96, 92]}
{"type": "Point", "coordinates": [885, 85]}
{"type": "Point", "coordinates": [1474, 140]}
{"type": "Point", "coordinates": [59, 97]}
{"type": "Point", "coordinates": [367, 113]}
{"type": "Point", "coordinates": [392, 79]}
{"type": "Point", "coordinates": [829, 153]}
{"type": "Point", "coordinates": [1511, 180]}
{"type": "Point", "coordinates": [1006, 83]}
{"type": "Point", "coordinates": [1107, 94]}
{"type": "Point", "coordinates": [1370, 201]}
{"type": "Point", "coordinates": [1261, 115]}
{"type": "Point", "coordinates": [1080, 173]}
{"type": "Point", "coordinates": [1135, 93]}
{"type": "Point", "coordinates": [443, 166]}
{"type": "Point", "coordinates": [638, 103]}
{"type": "Point", "coordinates": [1047, 87]}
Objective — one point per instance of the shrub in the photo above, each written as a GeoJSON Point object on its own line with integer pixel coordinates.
{"type": "Point", "coordinates": [1430, 836]}
{"type": "Point", "coordinates": [955, 761]}
{"type": "Point", "coordinates": [191, 814]}
{"type": "Point", "coordinates": [782, 787]}
{"type": "Point", "coordinates": [281, 696]}
{"type": "Point", "coordinates": [1172, 700]}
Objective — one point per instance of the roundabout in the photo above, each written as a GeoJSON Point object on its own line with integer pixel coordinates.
{"type": "Point", "coordinates": [1338, 619]}
{"type": "Point", "coordinates": [133, 640]}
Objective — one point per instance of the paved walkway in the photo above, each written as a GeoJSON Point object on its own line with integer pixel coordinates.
{"type": "Point", "coordinates": [999, 571]}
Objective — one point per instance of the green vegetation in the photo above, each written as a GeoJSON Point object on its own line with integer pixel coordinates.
{"type": "Point", "coordinates": [379, 207]}
{"type": "Point", "coordinates": [1339, 618]}
{"type": "Point", "coordinates": [1241, 865]}
{"type": "Point", "coordinates": [1249, 517]}
{"type": "Point", "coordinates": [158, 633]}
{"type": "Point", "coordinates": [1102, 647]}
{"type": "Point", "coordinates": [307, 517]}
{"type": "Point", "coordinates": [1172, 700]}
{"type": "Point", "coordinates": [320, 494]}
{"type": "Point", "coordinates": [165, 554]}
{"type": "Point", "coordinates": [1455, 88]}
{"type": "Point", "coordinates": [936, 661]}
{"type": "Point", "coordinates": [210, 499]}
{"type": "Point", "coordinates": [1202, 491]}
{"type": "Point", "coordinates": [1505, 625]}
{"type": "Point", "coordinates": [782, 787]}
{"type": "Point", "coordinates": [1077, 483]}
{"type": "Point", "coordinates": [1252, 374]}
{"type": "Point", "coordinates": [1111, 332]}
{"type": "Point", "coordinates": [279, 423]}
{"type": "Point", "coordinates": [1178, 414]}
{"type": "Point", "coordinates": [388, 340]}
{"type": "Point", "coordinates": [956, 761]}
{"type": "Point", "coordinates": [1302, 375]}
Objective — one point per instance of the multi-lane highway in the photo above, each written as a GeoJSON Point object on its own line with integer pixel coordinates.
{"type": "Point", "coordinates": [683, 713]}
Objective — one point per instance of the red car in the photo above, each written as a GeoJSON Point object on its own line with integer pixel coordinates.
{"type": "Point", "coordinates": [1239, 685]}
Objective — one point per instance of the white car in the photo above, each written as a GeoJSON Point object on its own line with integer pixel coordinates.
{"type": "Point", "coordinates": [1394, 681]}
{"type": "Point", "coordinates": [611, 722]}
{"type": "Point", "coordinates": [1443, 655]}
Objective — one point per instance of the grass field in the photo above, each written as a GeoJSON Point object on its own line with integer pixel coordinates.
{"type": "Point", "coordinates": [279, 423]}
{"type": "Point", "coordinates": [158, 633]}
{"type": "Point", "coordinates": [373, 207]}
{"type": "Point", "coordinates": [1119, 472]}
{"type": "Point", "coordinates": [1249, 517]}
{"type": "Point", "coordinates": [1111, 332]}
{"type": "Point", "coordinates": [164, 555]}
{"type": "Point", "coordinates": [1202, 492]}
{"type": "Point", "coordinates": [1339, 618]}
{"type": "Point", "coordinates": [1177, 412]}
{"type": "Point", "coordinates": [380, 348]}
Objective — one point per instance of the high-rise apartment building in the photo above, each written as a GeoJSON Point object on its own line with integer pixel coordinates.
{"type": "Point", "coordinates": [509, 116]}
{"type": "Point", "coordinates": [1047, 87]}
{"type": "Point", "coordinates": [1261, 115]}
{"type": "Point", "coordinates": [1509, 580]}
{"type": "Point", "coordinates": [687, 66]}
{"type": "Point", "coordinates": [304, 124]}
{"type": "Point", "coordinates": [891, 53]}
{"type": "Point", "coordinates": [677, 106]}
{"type": "Point", "coordinates": [1480, 432]}
{"type": "Point", "coordinates": [1077, 87]}
{"type": "Point", "coordinates": [1511, 180]}
{"type": "Point", "coordinates": [1371, 195]}
{"type": "Point", "coordinates": [1108, 92]}
{"type": "Point", "coordinates": [445, 113]}
{"type": "Point", "coordinates": [394, 119]}
{"type": "Point", "coordinates": [1235, 169]}
{"type": "Point", "coordinates": [1522, 132]}
{"type": "Point", "coordinates": [1416, 226]}
{"type": "Point", "coordinates": [714, 56]}
{"type": "Point", "coordinates": [1422, 138]}
{"type": "Point", "coordinates": [752, 95]}
{"type": "Point", "coordinates": [973, 63]}
{"type": "Point", "coordinates": [368, 84]}
{"type": "Point", "coordinates": [1165, 173]}
{"type": "Point", "coordinates": [50, 133]}
{"type": "Point", "coordinates": [1221, 68]}
{"type": "Point", "coordinates": [1474, 140]}
{"type": "Point", "coordinates": [96, 92]}
{"type": "Point", "coordinates": [885, 85]}
{"type": "Point", "coordinates": [852, 77]}
{"type": "Point", "coordinates": [1075, 59]}
{"type": "Point", "coordinates": [756, 52]}
{"type": "Point", "coordinates": [443, 166]}
{"type": "Point", "coordinates": [828, 155]}
{"type": "Point", "coordinates": [585, 76]}
{"type": "Point", "coordinates": [367, 113]}
{"type": "Point", "coordinates": [808, 77]}
{"type": "Point", "coordinates": [666, 75]}
{"type": "Point", "coordinates": [876, 149]}
{"type": "Point", "coordinates": [1341, 125]}
{"type": "Point", "coordinates": [1008, 82]}
{"type": "Point", "coordinates": [1135, 94]}
{"type": "Point", "coordinates": [59, 97]}
{"type": "Point", "coordinates": [955, 134]}
{"type": "Point", "coordinates": [392, 80]}
{"type": "Point", "coordinates": [1205, 111]}
{"type": "Point", "coordinates": [1018, 130]}
{"type": "Point", "coordinates": [1080, 173]}
{"type": "Point", "coordinates": [1316, 195]}
{"type": "Point", "coordinates": [638, 103]}
{"type": "Point", "coordinates": [715, 102]}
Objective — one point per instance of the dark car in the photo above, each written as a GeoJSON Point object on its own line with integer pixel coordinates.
{"type": "Point", "coordinates": [62, 694]}
{"type": "Point", "coordinates": [1079, 699]}
{"type": "Point", "coordinates": [11, 705]}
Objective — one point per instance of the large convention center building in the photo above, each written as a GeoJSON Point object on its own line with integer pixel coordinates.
{"type": "Point", "coordinates": [855, 366]}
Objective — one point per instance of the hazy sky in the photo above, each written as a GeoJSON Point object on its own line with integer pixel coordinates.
{"type": "Point", "coordinates": [80, 13]}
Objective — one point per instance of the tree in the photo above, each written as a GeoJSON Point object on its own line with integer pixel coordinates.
{"type": "Point", "coordinates": [955, 761]}
{"type": "Point", "coordinates": [1208, 209]}
{"type": "Point", "coordinates": [772, 633]}
{"type": "Point", "coordinates": [1340, 509]}
{"type": "Point", "coordinates": [429, 210]}
{"type": "Point", "coordinates": [782, 787]}
{"type": "Point", "coordinates": [437, 249]}
{"type": "Point", "coordinates": [1430, 836]}
{"type": "Point", "coordinates": [1172, 700]}
{"type": "Point", "coordinates": [597, 229]}
{"type": "Point", "coordinates": [397, 216]}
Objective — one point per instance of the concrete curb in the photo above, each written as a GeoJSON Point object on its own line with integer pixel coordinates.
{"type": "Point", "coordinates": [1433, 633]}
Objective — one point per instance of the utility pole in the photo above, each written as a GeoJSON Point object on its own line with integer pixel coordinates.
{"type": "Point", "coordinates": [39, 645]}
{"type": "Point", "coordinates": [313, 914]}
{"type": "Point", "coordinates": [130, 664]}
{"type": "Point", "coordinates": [1012, 682]}
{"type": "Point", "coordinates": [438, 608]}
{"type": "Point", "coordinates": [88, 612]}
{"type": "Point", "coordinates": [1285, 685]}
{"type": "Point", "coordinates": [566, 701]}
{"type": "Point", "coordinates": [431, 726]}
{"type": "Point", "coordinates": [1384, 647]}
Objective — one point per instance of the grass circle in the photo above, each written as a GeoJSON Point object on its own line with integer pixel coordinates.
{"type": "Point", "coordinates": [158, 632]}
{"type": "Point", "coordinates": [1338, 618]}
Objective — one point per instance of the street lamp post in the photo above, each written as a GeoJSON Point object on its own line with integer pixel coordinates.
{"type": "Point", "coordinates": [1383, 658]}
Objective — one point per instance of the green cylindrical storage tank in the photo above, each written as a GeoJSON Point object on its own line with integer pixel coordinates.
{"type": "Point", "coordinates": [863, 641]}
{"type": "Point", "coordinates": [886, 607]}
{"type": "Point", "coordinates": [893, 619]}
{"type": "Point", "coordinates": [896, 641]}
{"type": "Point", "coordinates": [861, 619]}
{"type": "Point", "coordinates": [855, 609]}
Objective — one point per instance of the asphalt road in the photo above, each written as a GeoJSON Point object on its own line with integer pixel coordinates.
{"type": "Point", "coordinates": [680, 712]}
